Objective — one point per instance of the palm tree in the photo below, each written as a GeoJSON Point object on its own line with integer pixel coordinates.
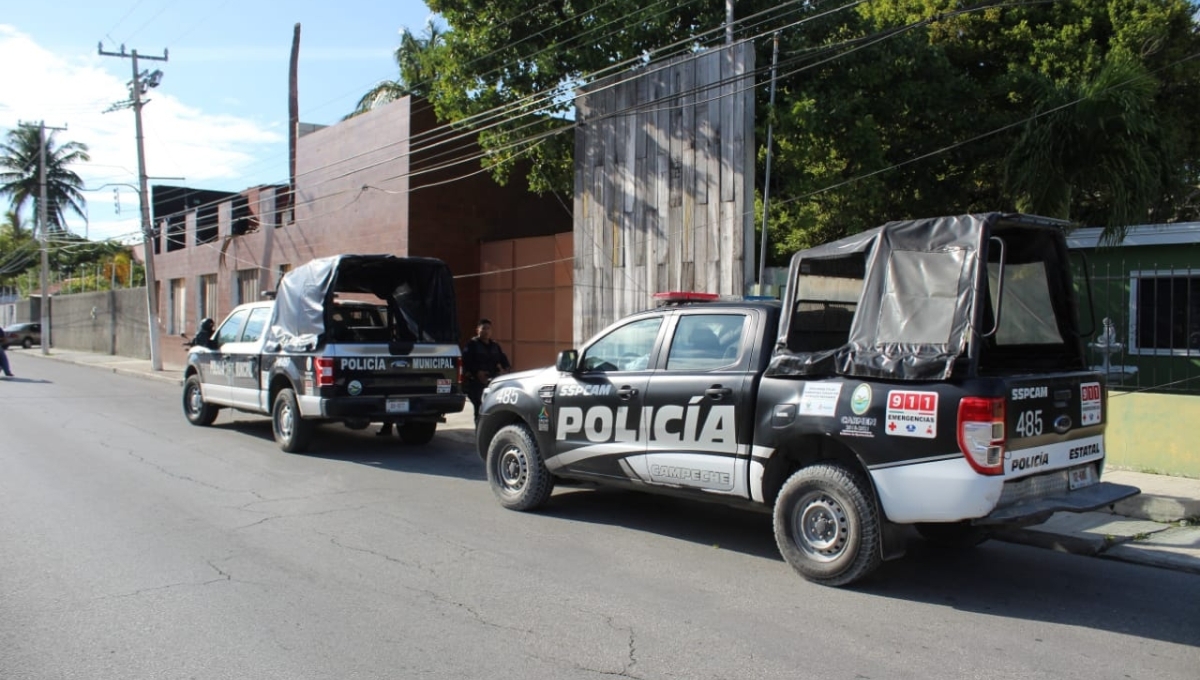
{"type": "Point", "coordinates": [1094, 153]}
{"type": "Point", "coordinates": [415, 69]}
{"type": "Point", "coordinates": [12, 225]}
{"type": "Point", "coordinates": [20, 177]}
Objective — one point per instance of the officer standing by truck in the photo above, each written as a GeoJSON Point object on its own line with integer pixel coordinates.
{"type": "Point", "coordinates": [482, 360]}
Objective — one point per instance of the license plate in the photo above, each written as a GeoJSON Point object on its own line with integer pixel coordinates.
{"type": "Point", "coordinates": [401, 406]}
{"type": "Point", "coordinates": [1081, 476]}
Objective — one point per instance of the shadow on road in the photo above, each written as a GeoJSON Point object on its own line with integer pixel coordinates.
{"type": "Point", "coordinates": [19, 379]}
{"type": "Point", "coordinates": [744, 531]}
{"type": "Point", "coordinates": [1027, 583]}
{"type": "Point", "coordinates": [995, 579]}
{"type": "Point", "coordinates": [450, 454]}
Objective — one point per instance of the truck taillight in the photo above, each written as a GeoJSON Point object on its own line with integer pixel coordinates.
{"type": "Point", "coordinates": [981, 433]}
{"type": "Point", "coordinates": [323, 368]}
{"type": "Point", "coordinates": [458, 362]}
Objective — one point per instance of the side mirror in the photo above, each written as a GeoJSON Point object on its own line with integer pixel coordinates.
{"type": "Point", "coordinates": [568, 359]}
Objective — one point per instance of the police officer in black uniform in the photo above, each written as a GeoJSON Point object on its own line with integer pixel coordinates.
{"type": "Point", "coordinates": [482, 360]}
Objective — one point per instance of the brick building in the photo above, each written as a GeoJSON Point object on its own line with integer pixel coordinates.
{"type": "Point", "coordinates": [388, 181]}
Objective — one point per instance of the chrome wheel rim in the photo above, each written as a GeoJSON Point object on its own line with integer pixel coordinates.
{"type": "Point", "coordinates": [820, 527]}
{"type": "Point", "coordinates": [195, 400]}
{"type": "Point", "coordinates": [285, 421]}
{"type": "Point", "coordinates": [513, 469]}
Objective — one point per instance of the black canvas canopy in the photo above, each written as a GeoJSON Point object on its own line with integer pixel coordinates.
{"type": "Point", "coordinates": [418, 291]}
{"type": "Point", "coordinates": [897, 301]}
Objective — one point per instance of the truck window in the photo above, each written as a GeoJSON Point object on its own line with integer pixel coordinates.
{"type": "Point", "coordinates": [827, 292]}
{"type": "Point", "coordinates": [1038, 327]}
{"type": "Point", "coordinates": [626, 348]}
{"type": "Point", "coordinates": [255, 324]}
{"type": "Point", "coordinates": [1027, 315]}
{"type": "Point", "coordinates": [704, 342]}
{"type": "Point", "coordinates": [232, 328]}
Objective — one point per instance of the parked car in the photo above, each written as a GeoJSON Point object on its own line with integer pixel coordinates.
{"type": "Point", "coordinates": [24, 334]}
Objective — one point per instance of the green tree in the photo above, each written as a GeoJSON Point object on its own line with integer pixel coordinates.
{"type": "Point", "coordinates": [415, 59]}
{"type": "Point", "coordinates": [20, 177]}
{"type": "Point", "coordinates": [888, 109]}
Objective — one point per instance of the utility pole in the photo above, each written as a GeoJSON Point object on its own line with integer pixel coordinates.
{"type": "Point", "coordinates": [43, 212]}
{"type": "Point", "coordinates": [762, 250]}
{"type": "Point", "coordinates": [142, 83]}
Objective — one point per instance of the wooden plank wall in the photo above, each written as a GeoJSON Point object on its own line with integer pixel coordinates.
{"type": "Point", "coordinates": [664, 184]}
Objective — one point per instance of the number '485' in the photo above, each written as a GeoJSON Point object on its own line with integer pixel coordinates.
{"type": "Point", "coordinates": [1029, 423]}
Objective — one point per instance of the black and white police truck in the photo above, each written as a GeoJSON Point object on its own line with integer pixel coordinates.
{"type": "Point", "coordinates": [927, 373]}
{"type": "Point", "coordinates": [350, 338]}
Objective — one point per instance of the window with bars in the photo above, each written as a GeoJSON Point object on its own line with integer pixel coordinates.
{"type": "Point", "coordinates": [1165, 312]}
{"type": "Point", "coordinates": [206, 302]}
{"type": "Point", "coordinates": [246, 289]}
{"type": "Point", "coordinates": [177, 304]}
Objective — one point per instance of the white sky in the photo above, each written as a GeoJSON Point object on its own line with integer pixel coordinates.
{"type": "Point", "coordinates": [219, 118]}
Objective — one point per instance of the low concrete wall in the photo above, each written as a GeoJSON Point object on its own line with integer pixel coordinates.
{"type": "Point", "coordinates": [106, 322]}
{"type": "Point", "coordinates": [1153, 433]}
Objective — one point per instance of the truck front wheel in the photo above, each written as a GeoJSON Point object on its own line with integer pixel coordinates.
{"type": "Point", "coordinates": [292, 432]}
{"type": "Point", "coordinates": [198, 411]}
{"type": "Point", "coordinates": [826, 525]}
{"type": "Point", "coordinates": [515, 469]}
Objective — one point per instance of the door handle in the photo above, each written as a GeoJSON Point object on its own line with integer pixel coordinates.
{"type": "Point", "coordinates": [717, 393]}
{"type": "Point", "coordinates": [627, 392]}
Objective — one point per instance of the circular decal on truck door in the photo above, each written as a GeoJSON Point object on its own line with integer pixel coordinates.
{"type": "Point", "coordinates": [860, 400]}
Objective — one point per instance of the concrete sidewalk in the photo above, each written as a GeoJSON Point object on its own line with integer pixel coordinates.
{"type": "Point", "coordinates": [1159, 527]}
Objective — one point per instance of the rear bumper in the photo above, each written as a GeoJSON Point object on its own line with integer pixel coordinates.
{"type": "Point", "coordinates": [1081, 500]}
{"type": "Point", "coordinates": [375, 408]}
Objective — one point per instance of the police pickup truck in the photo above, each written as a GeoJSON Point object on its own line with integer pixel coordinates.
{"type": "Point", "coordinates": [350, 338]}
{"type": "Point", "coordinates": [928, 373]}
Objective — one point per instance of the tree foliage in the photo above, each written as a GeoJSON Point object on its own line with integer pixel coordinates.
{"type": "Point", "coordinates": [20, 175]}
{"type": "Point", "coordinates": [414, 59]}
{"type": "Point", "coordinates": [888, 109]}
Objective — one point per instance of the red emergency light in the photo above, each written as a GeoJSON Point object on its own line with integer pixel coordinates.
{"type": "Point", "coordinates": [678, 297]}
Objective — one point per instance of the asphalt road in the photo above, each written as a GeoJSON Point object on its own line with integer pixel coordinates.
{"type": "Point", "coordinates": [133, 545]}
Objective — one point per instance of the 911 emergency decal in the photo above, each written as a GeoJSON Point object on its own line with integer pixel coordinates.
{"type": "Point", "coordinates": [911, 414]}
{"type": "Point", "coordinates": [1089, 403]}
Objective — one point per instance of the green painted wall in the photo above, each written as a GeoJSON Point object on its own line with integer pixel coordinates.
{"type": "Point", "coordinates": [1109, 270]}
{"type": "Point", "coordinates": [1153, 433]}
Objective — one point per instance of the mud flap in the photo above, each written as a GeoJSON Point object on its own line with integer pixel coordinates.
{"type": "Point", "coordinates": [893, 539]}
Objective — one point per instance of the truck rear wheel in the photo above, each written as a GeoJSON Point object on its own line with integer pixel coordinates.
{"type": "Point", "coordinates": [826, 525]}
{"type": "Point", "coordinates": [292, 433]}
{"type": "Point", "coordinates": [417, 432]}
{"type": "Point", "coordinates": [198, 411]}
{"type": "Point", "coordinates": [515, 469]}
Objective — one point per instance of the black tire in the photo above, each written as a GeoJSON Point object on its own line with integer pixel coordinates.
{"type": "Point", "coordinates": [292, 433]}
{"type": "Point", "coordinates": [953, 535]}
{"type": "Point", "coordinates": [515, 469]}
{"type": "Point", "coordinates": [417, 432]}
{"type": "Point", "coordinates": [27, 343]}
{"type": "Point", "coordinates": [827, 526]}
{"type": "Point", "coordinates": [197, 411]}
